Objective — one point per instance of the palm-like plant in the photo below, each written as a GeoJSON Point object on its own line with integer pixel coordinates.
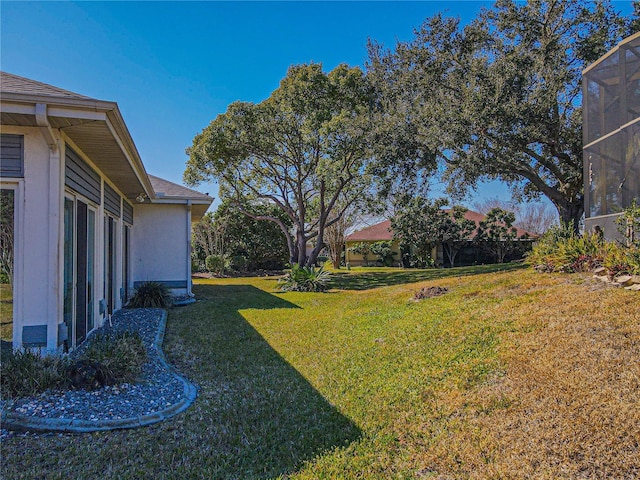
{"type": "Point", "coordinates": [304, 279]}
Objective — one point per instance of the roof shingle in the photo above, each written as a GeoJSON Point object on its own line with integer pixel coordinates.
{"type": "Point", "coordinates": [10, 83]}
{"type": "Point", "coordinates": [166, 189]}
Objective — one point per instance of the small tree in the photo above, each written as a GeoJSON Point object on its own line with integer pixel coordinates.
{"type": "Point", "coordinates": [417, 224]}
{"type": "Point", "coordinates": [497, 234]}
{"type": "Point", "coordinates": [534, 217]}
{"type": "Point", "coordinates": [384, 251]}
{"type": "Point", "coordinates": [208, 238]}
{"type": "Point", "coordinates": [304, 150]}
{"type": "Point", "coordinates": [629, 224]}
{"type": "Point", "coordinates": [250, 243]}
{"type": "Point", "coordinates": [335, 233]}
{"type": "Point", "coordinates": [455, 230]}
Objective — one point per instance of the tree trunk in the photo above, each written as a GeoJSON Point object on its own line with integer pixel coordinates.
{"type": "Point", "coordinates": [571, 212]}
{"type": "Point", "coordinates": [302, 248]}
{"type": "Point", "coordinates": [452, 252]}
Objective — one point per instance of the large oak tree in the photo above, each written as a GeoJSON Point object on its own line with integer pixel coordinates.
{"type": "Point", "coordinates": [501, 97]}
{"type": "Point", "coordinates": [302, 149]}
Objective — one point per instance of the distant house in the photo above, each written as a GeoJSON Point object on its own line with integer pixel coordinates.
{"type": "Point", "coordinates": [470, 253]}
{"type": "Point", "coordinates": [611, 135]}
{"type": "Point", "coordinates": [86, 222]}
{"type": "Point", "coordinates": [375, 233]}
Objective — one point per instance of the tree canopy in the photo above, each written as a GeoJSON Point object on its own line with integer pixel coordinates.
{"type": "Point", "coordinates": [497, 233]}
{"type": "Point", "coordinates": [501, 97]}
{"type": "Point", "coordinates": [302, 149]}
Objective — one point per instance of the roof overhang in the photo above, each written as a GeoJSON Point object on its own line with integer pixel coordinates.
{"type": "Point", "coordinates": [198, 206]}
{"type": "Point", "coordinates": [94, 126]}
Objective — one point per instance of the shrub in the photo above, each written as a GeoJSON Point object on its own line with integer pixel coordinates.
{"type": "Point", "coordinates": [561, 250]}
{"type": "Point", "coordinates": [151, 295]}
{"type": "Point", "coordinates": [107, 359]}
{"type": "Point", "coordinates": [196, 264]}
{"type": "Point", "coordinates": [384, 251]}
{"type": "Point", "coordinates": [25, 373]}
{"type": "Point", "coordinates": [629, 224]}
{"type": "Point", "coordinates": [421, 261]}
{"type": "Point", "coordinates": [304, 279]}
{"type": "Point", "coordinates": [238, 263]}
{"type": "Point", "coordinates": [217, 264]}
{"type": "Point", "coordinates": [112, 358]}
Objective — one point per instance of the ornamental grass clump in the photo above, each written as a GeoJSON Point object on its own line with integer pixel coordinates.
{"type": "Point", "coordinates": [107, 359]}
{"type": "Point", "coordinates": [151, 295]}
{"type": "Point", "coordinates": [115, 358]}
{"type": "Point", "coordinates": [304, 279]}
{"type": "Point", "coordinates": [26, 373]}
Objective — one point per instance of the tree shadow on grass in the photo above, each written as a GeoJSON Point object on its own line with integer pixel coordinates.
{"type": "Point", "coordinates": [263, 417]}
{"type": "Point", "coordinates": [363, 280]}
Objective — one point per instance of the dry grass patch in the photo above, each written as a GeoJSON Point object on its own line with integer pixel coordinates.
{"type": "Point", "coordinates": [567, 406]}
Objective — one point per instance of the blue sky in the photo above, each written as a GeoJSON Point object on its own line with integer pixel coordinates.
{"type": "Point", "coordinates": [173, 66]}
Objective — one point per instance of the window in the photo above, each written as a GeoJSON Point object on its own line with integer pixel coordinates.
{"type": "Point", "coordinates": [11, 156]}
{"type": "Point", "coordinates": [7, 255]}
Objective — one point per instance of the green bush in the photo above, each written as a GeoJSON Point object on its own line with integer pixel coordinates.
{"type": "Point", "coordinates": [629, 224]}
{"type": "Point", "coordinates": [238, 263]}
{"type": "Point", "coordinates": [25, 373]}
{"type": "Point", "coordinates": [196, 264]}
{"type": "Point", "coordinates": [107, 359]}
{"type": "Point", "coordinates": [217, 264]}
{"type": "Point", "coordinates": [384, 251]}
{"type": "Point", "coordinates": [562, 250]}
{"type": "Point", "coordinates": [151, 295]}
{"type": "Point", "coordinates": [119, 356]}
{"type": "Point", "coordinates": [304, 279]}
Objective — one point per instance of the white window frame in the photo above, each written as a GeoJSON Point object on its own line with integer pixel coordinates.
{"type": "Point", "coordinates": [18, 257]}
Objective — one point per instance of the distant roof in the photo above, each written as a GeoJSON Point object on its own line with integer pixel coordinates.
{"type": "Point", "coordinates": [10, 83]}
{"type": "Point", "coordinates": [379, 231]}
{"type": "Point", "coordinates": [166, 189]}
{"type": "Point", "coordinates": [382, 231]}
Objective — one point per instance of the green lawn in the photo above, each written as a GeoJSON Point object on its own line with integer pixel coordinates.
{"type": "Point", "coordinates": [6, 313]}
{"type": "Point", "coordinates": [492, 380]}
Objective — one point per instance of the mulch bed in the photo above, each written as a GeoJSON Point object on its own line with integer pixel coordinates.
{"type": "Point", "coordinates": [429, 292]}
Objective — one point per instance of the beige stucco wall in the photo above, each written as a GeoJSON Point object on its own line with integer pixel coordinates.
{"type": "Point", "coordinates": [160, 234]}
{"type": "Point", "coordinates": [355, 260]}
{"type": "Point", "coordinates": [36, 282]}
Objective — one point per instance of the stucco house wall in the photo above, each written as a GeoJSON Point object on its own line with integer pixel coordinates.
{"type": "Point", "coordinates": [159, 238]}
{"type": "Point", "coordinates": [34, 266]}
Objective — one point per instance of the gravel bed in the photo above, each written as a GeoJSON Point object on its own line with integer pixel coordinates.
{"type": "Point", "coordinates": [156, 389]}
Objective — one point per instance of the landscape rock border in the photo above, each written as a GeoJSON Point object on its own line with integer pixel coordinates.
{"type": "Point", "coordinates": [629, 282]}
{"type": "Point", "coordinates": [15, 421]}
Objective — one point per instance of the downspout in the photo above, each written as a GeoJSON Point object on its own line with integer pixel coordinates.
{"type": "Point", "coordinates": [189, 293]}
{"type": "Point", "coordinates": [54, 309]}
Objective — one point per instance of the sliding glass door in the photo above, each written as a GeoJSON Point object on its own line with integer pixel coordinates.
{"type": "Point", "coordinates": [79, 270]}
{"type": "Point", "coordinates": [109, 263]}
